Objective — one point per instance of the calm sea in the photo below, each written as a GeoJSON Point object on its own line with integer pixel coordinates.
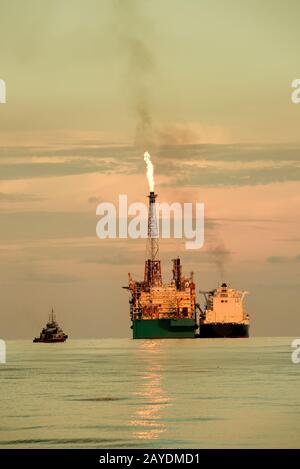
{"type": "Point", "coordinates": [119, 393]}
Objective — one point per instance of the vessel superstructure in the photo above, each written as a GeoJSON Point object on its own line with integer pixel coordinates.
{"type": "Point", "coordinates": [224, 314]}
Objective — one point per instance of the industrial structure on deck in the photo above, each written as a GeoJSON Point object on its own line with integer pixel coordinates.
{"type": "Point", "coordinates": [161, 310]}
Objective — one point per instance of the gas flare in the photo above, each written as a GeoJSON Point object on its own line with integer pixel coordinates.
{"type": "Point", "coordinates": [150, 171]}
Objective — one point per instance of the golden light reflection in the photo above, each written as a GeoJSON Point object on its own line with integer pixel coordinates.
{"type": "Point", "coordinates": [148, 418]}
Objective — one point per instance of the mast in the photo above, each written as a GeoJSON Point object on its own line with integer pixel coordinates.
{"type": "Point", "coordinates": [152, 264]}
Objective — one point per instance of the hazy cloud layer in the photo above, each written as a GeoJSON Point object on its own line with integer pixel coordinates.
{"type": "Point", "coordinates": [18, 197]}
{"type": "Point", "coordinates": [184, 165]}
{"type": "Point", "coordinates": [283, 259]}
{"type": "Point", "coordinates": [46, 225]}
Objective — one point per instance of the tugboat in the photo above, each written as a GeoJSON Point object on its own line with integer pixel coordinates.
{"type": "Point", "coordinates": [52, 332]}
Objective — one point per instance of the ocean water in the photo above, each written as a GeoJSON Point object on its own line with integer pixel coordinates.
{"type": "Point", "coordinates": [119, 393]}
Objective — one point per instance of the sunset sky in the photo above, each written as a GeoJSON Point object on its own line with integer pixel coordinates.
{"type": "Point", "coordinates": [205, 86]}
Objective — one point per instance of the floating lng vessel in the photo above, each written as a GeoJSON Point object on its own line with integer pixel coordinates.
{"type": "Point", "coordinates": [159, 310]}
{"type": "Point", "coordinates": [224, 314]}
{"type": "Point", "coordinates": [52, 332]}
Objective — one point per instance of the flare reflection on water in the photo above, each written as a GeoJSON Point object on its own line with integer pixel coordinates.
{"type": "Point", "coordinates": [148, 418]}
{"type": "Point", "coordinates": [120, 393]}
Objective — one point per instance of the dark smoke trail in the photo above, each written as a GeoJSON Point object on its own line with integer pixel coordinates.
{"type": "Point", "coordinates": [135, 34]}
{"type": "Point", "coordinates": [220, 255]}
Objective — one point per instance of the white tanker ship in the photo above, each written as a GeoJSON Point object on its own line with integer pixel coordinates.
{"type": "Point", "coordinates": [223, 314]}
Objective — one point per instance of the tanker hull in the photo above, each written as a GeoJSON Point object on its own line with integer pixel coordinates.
{"type": "Point", "coordinates": [219, 330]}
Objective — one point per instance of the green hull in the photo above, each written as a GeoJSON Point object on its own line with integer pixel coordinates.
{"type": "Point", "coordinates": [163, 328]}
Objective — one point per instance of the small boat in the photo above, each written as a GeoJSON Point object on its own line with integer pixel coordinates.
{"type": "Point", "coordinates": [52, 332]}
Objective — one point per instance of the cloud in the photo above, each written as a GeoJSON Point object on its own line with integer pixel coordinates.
{"type": "Point", "coordinates": [46, 225]}
{"type": "Point", "coordinates": [204, 165]}
{"type": "Point", "coordinates": [228, 165]}
{"type": "Point", "coordinates": [232, 152]}
{"type": "Point", "coordinates": [283, 259]}
{"type": "Point", "coordinates": [94, 200]}
{"type": "Point", "coordinates": [33, 140]}
{"type": "Point", "coordinates": [277, 259]}
{"type": "Point", "coordinates": [47, 277]}
{"type": "Point", "coordinates": [114, 257]}
{"type": "Point", "coordinates": [64, 168]}
{"type": "Point", "coordinates": [190, 133]}
{"type": "Point", "coordinates": [18, 197]}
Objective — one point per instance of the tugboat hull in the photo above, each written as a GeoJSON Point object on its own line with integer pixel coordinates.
{"type": "Point", "coordinates": [50, 341]}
